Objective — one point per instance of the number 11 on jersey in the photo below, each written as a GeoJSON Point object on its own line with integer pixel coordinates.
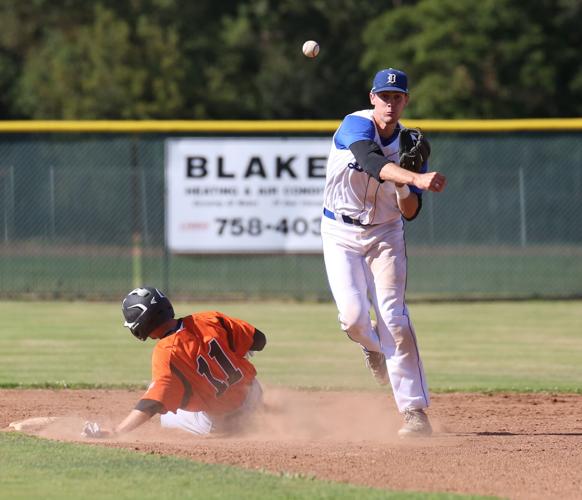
{"type": "Point", "coordinates": [233, 374]}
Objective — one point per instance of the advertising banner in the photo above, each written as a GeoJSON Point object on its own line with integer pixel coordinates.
{"type": "Point", "coordinates": [245, 195]}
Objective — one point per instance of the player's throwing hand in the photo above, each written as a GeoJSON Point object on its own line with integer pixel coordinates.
{"type": "Point", "coordinates": [431, 181]}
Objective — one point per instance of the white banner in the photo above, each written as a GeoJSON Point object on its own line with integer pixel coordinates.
{"type": "Point", "coordinates": [245, 194]}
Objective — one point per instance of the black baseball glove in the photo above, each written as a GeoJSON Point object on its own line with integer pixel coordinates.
{"type": "Point", "coordinates": [414, 149]}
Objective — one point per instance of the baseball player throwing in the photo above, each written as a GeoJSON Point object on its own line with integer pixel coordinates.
{"type": "Point", "coordinates": [376, 173]}
{"type": "Point", "coordinates": [202, 381]}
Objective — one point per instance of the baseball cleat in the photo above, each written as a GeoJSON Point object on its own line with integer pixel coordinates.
{"type": "Point", "coordinates": [416, 424]}
{"type": "Point", "coordinates": [376, 363]}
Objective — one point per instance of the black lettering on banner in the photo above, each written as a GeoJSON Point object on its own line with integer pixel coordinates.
{"type": "Point", "coordinates": [196, 166]}
{"type": "Point", "coordinates": [221, 173]}
{"type": "Point", "coordinates": [254, 226]}
{"type": "Point", "coordinates": [236, 226]}
{"type": "Point", "coordinates": [285, 165]}
{"type": "Point", "coordinates": [282, 227]}
{"type": "Point", "coordinates": [300, 226]}
{"type": "Point", "coordinates": [316, 167]}
{"type": "Point", "coordinates": [222, 224]}
{"type": "Point", "coordinates": [233, 375]}
{"type": "Point", "coordinates": [316, 226]}
{"type": "Point", "coordinates": [255, 167]}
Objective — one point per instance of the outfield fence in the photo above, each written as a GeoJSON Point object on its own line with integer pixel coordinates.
{"type": "Point", "coordinates": [82, 214]}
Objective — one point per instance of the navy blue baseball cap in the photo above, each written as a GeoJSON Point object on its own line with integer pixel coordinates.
{"type": "Point", "coordinates": [390, 79]}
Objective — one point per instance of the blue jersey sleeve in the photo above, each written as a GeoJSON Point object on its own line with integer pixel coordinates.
{"type": "Point", "coordinates": [353, 129]}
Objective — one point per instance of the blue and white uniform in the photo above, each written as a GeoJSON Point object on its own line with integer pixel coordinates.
{"type": "Point", "coordinates": [348, 189]}
{"type": "Point", "coordinates": [365, 257]}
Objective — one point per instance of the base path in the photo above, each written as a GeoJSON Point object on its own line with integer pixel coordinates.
{"type": "Point", "coordinates": [518, 446]}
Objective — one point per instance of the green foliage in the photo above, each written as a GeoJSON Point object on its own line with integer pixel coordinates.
{"type": "Point", "coordinates": [260, 71]}
{"type": "Point", "coordinates": [108, 69]}
{"type": "Point", "coordinates": [232, 59]}
{"type": "Point", "coordinates": [488, 59]}
{"type": "Point", "coordinates": [181, 59]}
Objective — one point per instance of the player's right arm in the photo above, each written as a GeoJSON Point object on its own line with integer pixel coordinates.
{"type": "Point", "coordinates": [429, 181]}
{"type": "Point", "coordinates": [357, 133]}
{"type": "Point", "coordinates": [259, 341]}
{"type": "Point", "coordinates": [241, 336]}
{"type": "Point", "coordinates": [371, 158]}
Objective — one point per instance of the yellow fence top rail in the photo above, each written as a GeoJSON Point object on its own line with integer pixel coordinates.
{"type": "Point", "coordinates": [274, 126]}
{"type": "Point", "coordinates": [163, 126]}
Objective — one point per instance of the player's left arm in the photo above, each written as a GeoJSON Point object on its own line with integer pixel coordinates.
{"type": "Point", "coordinates": [163, 394]}
{"type": "Point", "coordinates": [410, 205]}
{"type": "Point", "coordinates": [409, 198]}
{"type": "Point", "coordinates": [135, 419]}
{"type": "Point", "coordinates": [132, 421]}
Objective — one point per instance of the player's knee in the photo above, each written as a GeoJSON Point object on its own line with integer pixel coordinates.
{"type": "Point", "coordinates": [357, 326]}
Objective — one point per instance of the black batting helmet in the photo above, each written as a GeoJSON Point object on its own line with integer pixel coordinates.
{"type": "Point", "coordinates": [144, 309]}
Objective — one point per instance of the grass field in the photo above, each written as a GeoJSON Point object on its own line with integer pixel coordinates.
{"type": "Point", "coordinates": [434, 272]}
{"type": "Point", "coordinates": [37, 468]}
{"type": "Point", "coordinates": [523, 346]}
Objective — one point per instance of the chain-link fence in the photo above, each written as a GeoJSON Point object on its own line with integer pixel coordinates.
{"type": "Point", "coordinates": [82, 216]}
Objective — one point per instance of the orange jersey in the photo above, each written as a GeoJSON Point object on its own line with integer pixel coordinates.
{"type": "Point", "coordinates": [201, 367]}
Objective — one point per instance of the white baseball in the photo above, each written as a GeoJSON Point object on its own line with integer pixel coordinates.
{"type": "Point", "coordinates": [311, 48]}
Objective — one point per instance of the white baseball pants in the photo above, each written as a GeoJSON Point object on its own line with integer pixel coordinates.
{"type": "Point", "coordinates": [366, 266]}
{"type": "Point", "coordinates": [201, 422]}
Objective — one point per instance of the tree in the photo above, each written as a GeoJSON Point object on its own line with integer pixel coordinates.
{"type": "Point", "coordinates": [261, 72]}
{"type": "Point", "coordinates": [106, 69]}
{"type": "Point", "coordinates": [183, 59]}
{"type": "Point", "coordinates": [233, 59]}
{"type": "Point", "coordinates": [487, 59]}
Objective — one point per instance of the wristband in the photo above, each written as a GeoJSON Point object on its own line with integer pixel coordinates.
{"type": "Point", "coordinates": [402, 192]}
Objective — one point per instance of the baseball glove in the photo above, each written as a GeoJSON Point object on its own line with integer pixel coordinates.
{"type": "Point", "coordinates": [414, 149]}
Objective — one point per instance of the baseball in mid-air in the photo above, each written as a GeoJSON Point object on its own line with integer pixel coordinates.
{"type": "Point", "coordinates": [310, 48]}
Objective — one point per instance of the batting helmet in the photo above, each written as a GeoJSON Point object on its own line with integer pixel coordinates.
{"type": "Point", "coordinates": [144, 309]}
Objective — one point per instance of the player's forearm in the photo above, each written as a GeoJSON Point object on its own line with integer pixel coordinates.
{"type": "Point", "coordinates": [408, 205]}
{"type": "Point", "coordinates": [132, 421]}
{"type": "Point", "coordinates": [393, 173]}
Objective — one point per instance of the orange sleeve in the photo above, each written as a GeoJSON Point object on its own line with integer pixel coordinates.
{"type": "Point", "coordinates": [240, 334]}
{"type": "Point", "coordinates": [167, 385]}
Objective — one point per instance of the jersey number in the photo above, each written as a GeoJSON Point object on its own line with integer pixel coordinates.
{"type": "Point", "coordinates": [233, 374]}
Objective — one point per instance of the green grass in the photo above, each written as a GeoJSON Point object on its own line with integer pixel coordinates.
{"type": "Point", "coordinates": [524, 346]}
{"type": "Point", "coordinates": [37, 468]}
{"type": "Point", "coordinates": [473, 346]}
{"type": "Point", "coordinates": [479, 271]}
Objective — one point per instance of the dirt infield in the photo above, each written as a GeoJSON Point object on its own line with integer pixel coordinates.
{"type": "Point", "coordinates": [519, 446]}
